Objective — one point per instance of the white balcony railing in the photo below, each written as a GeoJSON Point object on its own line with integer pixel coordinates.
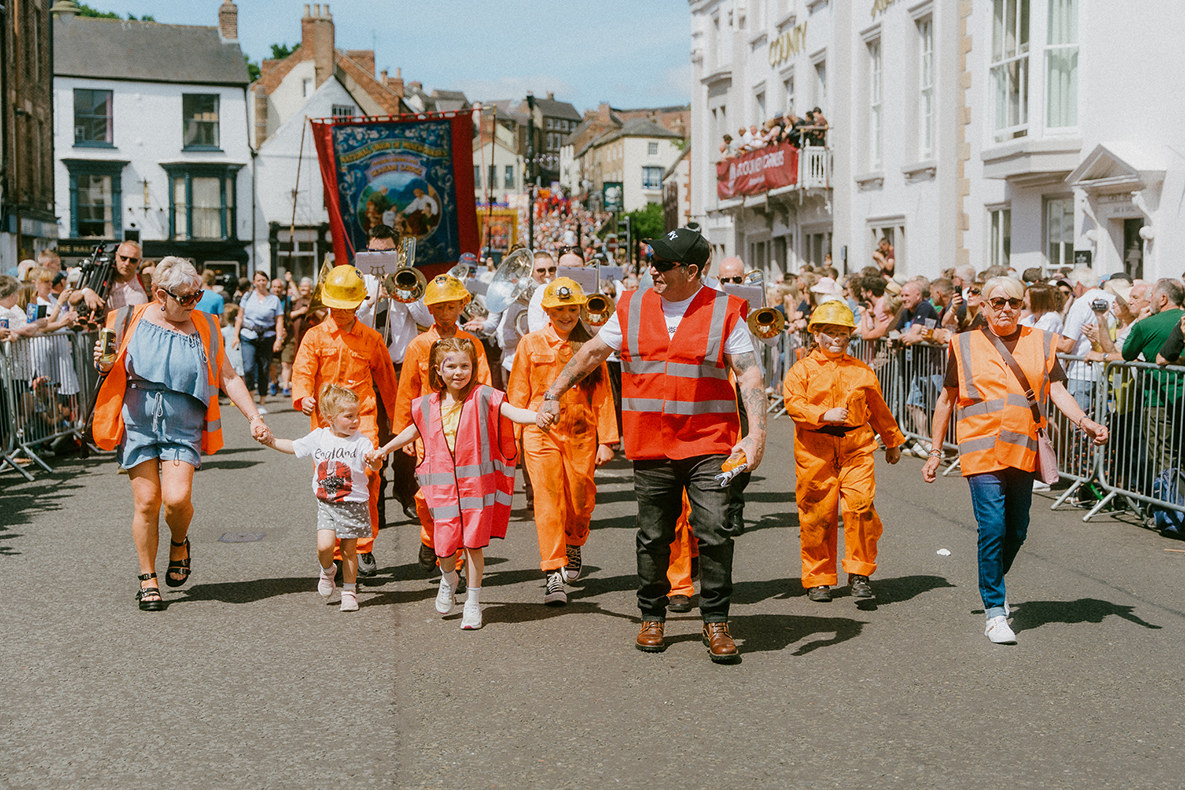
{"type": "Point", "coordinates": [814, 168]}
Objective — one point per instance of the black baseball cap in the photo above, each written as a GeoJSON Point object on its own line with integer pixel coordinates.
{"type": "Point", "coordinates": [682, 245]}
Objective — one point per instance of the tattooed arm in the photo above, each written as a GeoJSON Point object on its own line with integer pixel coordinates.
{"type": "Point", "coordinates": [587, 359]}
{"type": "Point", "coordinates": [752, 390]}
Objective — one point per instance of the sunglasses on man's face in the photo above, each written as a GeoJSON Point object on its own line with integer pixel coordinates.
{"type": "Point", "coordinates": [569, 249]}
{"type": "Point", "coordinates": [127, 258]}
{"type": "Point", "coordinates": [739, 279]}
{"type": "Point", "coordinates": [547, 270]}
{"type": "Point", "coordinates": [661, 265]}
{"type": "Point", "coordinates": [999, 303]}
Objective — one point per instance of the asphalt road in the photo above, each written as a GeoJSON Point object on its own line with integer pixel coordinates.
{"type": "Point", "coordinates": [250, 680]}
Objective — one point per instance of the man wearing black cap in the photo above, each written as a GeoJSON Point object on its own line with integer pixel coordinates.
{"type": "Point", "coordinates": [677, 342]}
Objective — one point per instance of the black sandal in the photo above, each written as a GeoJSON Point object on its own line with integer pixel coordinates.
{"type": "Point", "coordinates": [179, 567]}
{"type": "Point", "coordinates": [142, 596]}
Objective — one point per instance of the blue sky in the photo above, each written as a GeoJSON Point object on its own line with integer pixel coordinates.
{"type": "Point", "coordinates": [631, 53]}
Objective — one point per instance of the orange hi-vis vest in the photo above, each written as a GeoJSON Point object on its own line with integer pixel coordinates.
{"type": "Point", "coordinates": [108, 430]}
{"type": "Point", "coordinates": [677, 400]}
{"type": "Point", "coordinates": [995, 426]}
{"type": "Point", "coordinates": [474, 480]}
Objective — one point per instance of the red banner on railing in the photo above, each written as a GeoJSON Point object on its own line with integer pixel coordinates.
{"type": "Point", "coordinates": [757, 171]}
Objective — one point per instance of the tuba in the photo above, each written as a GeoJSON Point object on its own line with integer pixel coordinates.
{"type": "Point", "coordinates": [765, 322]}
{"type": "Point", "coordinates": [315, 303]}
{"type": "Point", "coordinates": [598, 307]}
{"type": "Point", "coordinates": [407, 283]}
{"type": "Point", "coordinates": [512, 281]}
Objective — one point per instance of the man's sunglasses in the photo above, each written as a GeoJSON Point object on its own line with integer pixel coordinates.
{"type": "Point", "coordinates": [1000, 302]}
{"type": "Point", "coordinates": [127, 258]}
{"type": "Point", "coordinates": [566, 249]}
{"type": "Point", "coordinates": [739, 279]}
{"type": "Point", "coordinates": [661, 265]}
{"type": "Point", "coordinates": [549, 269]}
{"type": "Point", "coordinates": [187, 300]}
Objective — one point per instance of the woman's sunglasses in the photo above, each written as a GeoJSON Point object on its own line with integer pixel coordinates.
{"type": "Point", "coordinates": [187, 300]}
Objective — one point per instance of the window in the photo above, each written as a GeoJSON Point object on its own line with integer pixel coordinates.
{"type": "Point", "coordinates": [95, 199]}
{"type": "Point", "coordinates": [1010, 68]}
{"type": "Point", "coordinates": [759, 99]}
{"type": "Point", "coordinates": [1061, 64]}
{"type": "Point", "coordinates": [477, 176]}
{"type": "Point", "coordinates": [306, 88]}
{"type": "Point", "coordinates": [493, 179]}
{"type": "Point", "coordinates": [788, 89]}
{"type": "Point", "coordinates": [926, 89]}
{"type": "Point", "coordinates": [549, 123]}
{"type": "Point", "coordinates": [201, 120]}
{"type": "Point", "coordinates": [343, 111]}
{"type": "Point", "coordinates": [92, 117]}
{"type": "Point", "coordinates": [508, 182]}
{"type": "Point", "coordinates": [821, 85]}
{"type": "Point", "coordinates": [1059, 232]}
{"type": "Point", "coordinates": [652, 149]}
{"type": "Point", "coordinates": [651, 178]}
{"type": "Point", "coordinates": [201, 201]}
{"type": "Point", "coordinates": [875, 126]}
{"type": "Point", "coordinates": [1001, 237]}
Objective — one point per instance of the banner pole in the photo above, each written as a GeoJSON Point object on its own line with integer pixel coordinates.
{"type": "Point", "coordinates": [296, 198]}
{"type": "Point", "coordinates": [494, 169]}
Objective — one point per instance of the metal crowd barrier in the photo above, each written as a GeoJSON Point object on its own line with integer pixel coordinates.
{"type": "Point", "coordinates": [47, 384]}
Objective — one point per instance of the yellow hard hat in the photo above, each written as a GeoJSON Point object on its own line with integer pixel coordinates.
{"type": "Point", "coordinates": [343, 288]}
{"type": "Point", "coordinates": [563, 291]}
{"type": "Point", "coordinates": [446, 288]}
{"type": "Point", "coordinates": [832, 312]}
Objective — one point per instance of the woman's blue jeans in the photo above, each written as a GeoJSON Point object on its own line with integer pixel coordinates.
{"type": "Point", "coordinates": [1002, 500]}
{"type": "Point", "coordinates": [257, 362]}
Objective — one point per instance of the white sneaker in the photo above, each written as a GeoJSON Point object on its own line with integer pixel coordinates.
{"type": "Point", "coordinates": [1007, 609]}
{"type": "Point", "coordinates": [1039, 485]}
{"type": "Point", "coordinates": [998, 631]}
{"type": "Point", "coordinates": [471, 616]}
{"type": "Point", "coordinates": [553, 593]}
{"type": "Point", "coordinates": [325, 585]}
{"type": "Point", "coordinates": [349, 601]}
{"type": "Point", "coordinates": [446, 599]}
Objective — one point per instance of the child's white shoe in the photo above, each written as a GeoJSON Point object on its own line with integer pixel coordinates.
{"type": "Point", "coordinates": [471, 617]}
{"type": "Point", "coordinates": [446, 598]}
{"type": "Point", "coordinates": [325, 585]}
{"type": "Point", "coordinates": [349, 601]}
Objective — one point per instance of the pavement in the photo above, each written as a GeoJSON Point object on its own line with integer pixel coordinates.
{"type": "Point", "coordinates": [251, 680]}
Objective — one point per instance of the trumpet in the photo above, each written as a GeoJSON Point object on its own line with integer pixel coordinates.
{"type": "Point", "coordinates": [765, 322]}
{"type": "Point", "coordinates": [598, 307]}
{"type": "Point", "coordinates": [407, 283]}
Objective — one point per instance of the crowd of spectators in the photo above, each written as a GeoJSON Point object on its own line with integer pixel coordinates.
{"type": "Point", "coordinates": [810, 130]}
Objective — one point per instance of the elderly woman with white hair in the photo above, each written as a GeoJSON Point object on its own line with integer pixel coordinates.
{"type": "Point", "coordinates": [1002, 378]}
{"type": "Point", "coordinates": [158, 408]}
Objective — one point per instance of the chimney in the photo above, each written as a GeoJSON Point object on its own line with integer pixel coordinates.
{"type": "Point", "coordinates": [551, 95]}
{"type": "Point", "coordinates": [396, 85]}
{"type": "Point", "coordinates": [415, 87]}
{"type": "Point", "coordinates": [316, 39]}
{"type": "Point", "coordinates": [228, 21]}
{"type": "Point", "coordinates": [260, 116]}
{"type": "Point", "coordinates": [383, 77]}
{"type": "Point", "coordinates": [363, 57]}
{"type": "Point", "coordinates": [64, 8]}
{"type": "Point", "coordinates": [603, 112]}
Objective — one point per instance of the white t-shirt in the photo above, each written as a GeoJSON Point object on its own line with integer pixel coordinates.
{"type": "Point", "coordinates": [1079, 315]}
{"type": "Point", "coordinates": [339, 464]}
{"type": "Point", "coordinates": [739, 341]}
{"type": "Point", "coordinates": [365, 311]}
{"type": "Point", "coordinates": [1050, 322]}
{"type": "Point", "coordinates": [404, 320]}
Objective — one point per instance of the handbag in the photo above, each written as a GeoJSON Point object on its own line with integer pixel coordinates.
{"type": "Point", "coordinates": [1046, 457]}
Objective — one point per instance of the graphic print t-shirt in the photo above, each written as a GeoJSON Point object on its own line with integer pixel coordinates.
{"type": "Point", "coordinates": [339, 464]}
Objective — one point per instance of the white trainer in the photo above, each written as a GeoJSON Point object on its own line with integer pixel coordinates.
{"type": "Point", "coordinates": [446, 598]}
{"type": "Point", "coordinates": [471, 616]}
{"type": "Point", "coordinates": [349, 601]}
{"type": "Point", "coordinates": [998, 631]}
{"type": "Point", "coordinates": [325, 585]}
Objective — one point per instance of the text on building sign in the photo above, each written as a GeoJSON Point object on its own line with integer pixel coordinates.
{"type": "Point", "coordinates": [788, 44]}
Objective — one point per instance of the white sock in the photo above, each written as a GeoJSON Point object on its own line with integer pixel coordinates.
{"type": "Point", "coordinates": [451, 578]}
{"type": "Point", "coordinates": [328, 571]}
{"type": "Point", "coordinates": [474, 594]}
{"type": "Point", "coordinates": [350, 587]}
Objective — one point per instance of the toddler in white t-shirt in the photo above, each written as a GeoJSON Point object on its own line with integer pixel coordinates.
{"type": "Point", "coordinates": [339, 483]}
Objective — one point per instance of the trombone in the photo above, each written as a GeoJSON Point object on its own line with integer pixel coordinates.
{"type": "Point", "coordinates": [598, 307]}
{"type": "Point", "coordinates": [764, 322]}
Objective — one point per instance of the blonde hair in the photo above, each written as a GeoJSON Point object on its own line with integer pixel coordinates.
{"type": "Point", "coordinates": [1012, 286]}
{"type": "Point", "coordinates": [332, 399]}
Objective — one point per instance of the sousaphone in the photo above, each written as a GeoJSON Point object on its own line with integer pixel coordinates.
{"type": "Point", "coordinates": [512, 281]}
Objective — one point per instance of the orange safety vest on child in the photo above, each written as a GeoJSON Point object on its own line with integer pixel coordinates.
{"type": "Point", "coordinates": [468, 489]}
{"type": "Point", "coordinates": [108, 430]}
{"type": "Point", "coordinates": [677, 400]}
{"type": "Point", "coordinates": [995, 427]}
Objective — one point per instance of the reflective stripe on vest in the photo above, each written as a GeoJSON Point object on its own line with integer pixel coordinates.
{"type": "Point", "coordinates": [995, 425]}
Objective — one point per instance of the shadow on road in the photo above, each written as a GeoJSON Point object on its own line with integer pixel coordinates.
{"type": "Point", "coordinates": [762, 633]}
{"type": "Point", "coordinates": [1034, 614]}
{"type": "Point", "coordinates": [248, 591]}
{"type": "Point", "coordinates": [215, 463]}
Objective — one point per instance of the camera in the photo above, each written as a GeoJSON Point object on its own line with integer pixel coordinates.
{"type": "Point", "coordinates": [1100, 305]}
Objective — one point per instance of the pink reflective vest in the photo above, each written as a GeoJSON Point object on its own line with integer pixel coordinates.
{"type": "Point", "coordinates": [677, 400]}
{"type": "Point", "coordinates": [474, 482]}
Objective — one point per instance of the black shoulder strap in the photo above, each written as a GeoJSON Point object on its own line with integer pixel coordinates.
{"type": "Point", "coordinates": [1017, 371]}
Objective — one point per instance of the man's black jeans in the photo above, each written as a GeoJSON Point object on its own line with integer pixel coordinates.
{"type": "Point", "coordinates": [659, 486]}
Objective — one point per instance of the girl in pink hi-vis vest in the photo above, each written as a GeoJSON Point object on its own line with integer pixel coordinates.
{"type": "Point", "coordinates": [467, 474]}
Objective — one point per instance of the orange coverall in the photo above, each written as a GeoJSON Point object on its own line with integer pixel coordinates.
{"type": "Point", "coordinates": [561, 462]}
{"type": "Point", "coordinates": [357, 360]}
{"type": "Point", "coordinates": [414, 382]}
{"type": "Point", "coordinates": [836, 471]}
{"type": "Point", "coordinates": [683, 548]}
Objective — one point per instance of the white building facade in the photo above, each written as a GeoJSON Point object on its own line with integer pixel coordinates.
{"type": "Point", "coordinates": [1029, 133]}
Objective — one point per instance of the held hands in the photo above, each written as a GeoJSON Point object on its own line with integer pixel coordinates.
{"type": "Point", "coordinates": [893, 454]}
{"type": "Point", "coordinates": [837, 415]}
{"type": "Point", "coordinates": [261, 433]}
{"type": "Point", "coordinates": [307, 404]}
{"type": "Point", "coordinates": [604, 455]}
{"type": "Point", "coordinates": [549, 413]}
{"type": "Point", "coordinates": [374, 458]}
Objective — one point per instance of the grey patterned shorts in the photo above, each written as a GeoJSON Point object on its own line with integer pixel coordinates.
{"type": "Point", "coordinates": [347, 519]}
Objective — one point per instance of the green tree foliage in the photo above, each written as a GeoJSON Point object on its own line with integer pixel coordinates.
{"type": "Point", "coordinates": [86, 10]}
{"type": "Point", "coordinates": [281, 51]}
{"type": "Point", "coordinates": [647, 223]}
{"type": "Point", "coordinates": [252, 69]}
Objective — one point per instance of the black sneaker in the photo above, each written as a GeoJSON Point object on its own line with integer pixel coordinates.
{"type": "Point", "coordinates": [366, 564]}
{"type": "Point", "coordinates": [553, 594]}
{"type": "Point", "coordinates": [859, 586]}
{"type": "Point", "coordinates": [427, 557]}
{"type": "Point", "coordinates": [572, 570]}
{"type": "Point", "coordinates": [820, 594]}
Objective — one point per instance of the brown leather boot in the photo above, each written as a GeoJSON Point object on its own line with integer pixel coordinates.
{"type": "Point", "coordinates": [650, 637]}
{"type": "Point", "coordinates": [721, 648]}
